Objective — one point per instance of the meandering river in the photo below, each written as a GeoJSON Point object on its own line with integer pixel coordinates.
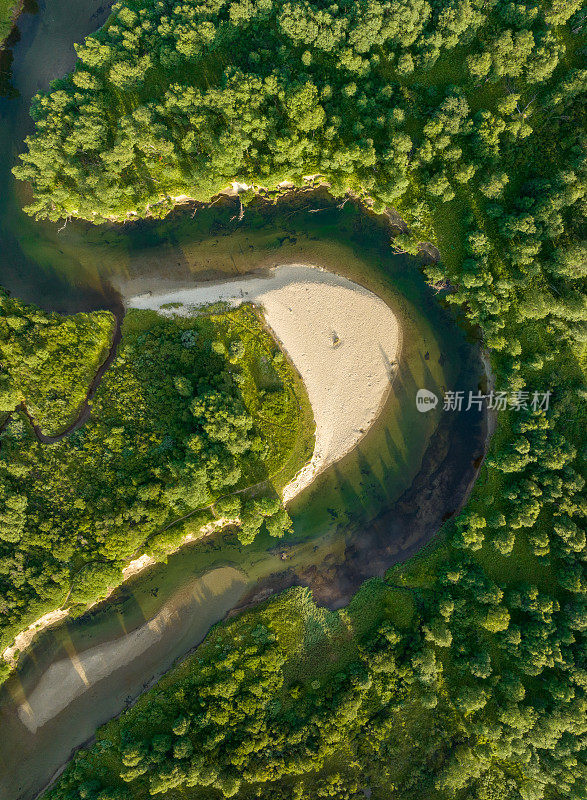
{"type": "Point", "coordinates": [383, 502]}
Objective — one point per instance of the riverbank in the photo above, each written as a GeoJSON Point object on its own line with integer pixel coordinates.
{"type": "Point", "coordinates": [24, 639]}
{"type": "Point", "coordinates": [343, 339]}
{"type": "Point", "coordinates": [67, 679]}
{"type": "Point", "coordinates": [10, 11]}
{"type": "Point", "coordinates": [393, 453]}
{"type": "Point", "coordinates": [132, 660]}
{"type": "Point", "coordinates": [447, 473]}
{"type": "Point", "coordinates": [293, 461]}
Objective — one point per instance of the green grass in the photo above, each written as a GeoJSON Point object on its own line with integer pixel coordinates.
{"type": "Point", "coordinates": [273, 393]}
{"type": "Point", "coordinates": [7, 16]}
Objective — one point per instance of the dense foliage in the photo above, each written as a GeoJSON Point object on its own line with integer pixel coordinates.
{"type": "Point", "coordinates": [291, 701]}
{"type": "Point", "coordinates": [198, 414]}
{"type": "Point", "coordinates": [181, 98]}
{"type": "Point", "coordinates": [48, 361]}
{"type": "Point", "coordinates": [468, 116]}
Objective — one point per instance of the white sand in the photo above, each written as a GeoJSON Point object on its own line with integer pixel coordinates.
{"type": "Point", "coordinates": [342, 338]}
{"type": "Point", "coordinates": [70, 677]}
{"type": "Point", "coordinates": [137, 565]}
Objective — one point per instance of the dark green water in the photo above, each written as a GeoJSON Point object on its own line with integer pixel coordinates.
{"type": "Point", "coordinates": [380, 504]}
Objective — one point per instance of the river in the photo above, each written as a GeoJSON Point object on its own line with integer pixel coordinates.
{"type": "Point", "coordinates": [379, 505]}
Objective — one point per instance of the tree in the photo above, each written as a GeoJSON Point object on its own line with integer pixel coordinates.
{"type": "Point", "coordinates": [279, 524]}
{"type": "Point", "coordinates": [497, 619]}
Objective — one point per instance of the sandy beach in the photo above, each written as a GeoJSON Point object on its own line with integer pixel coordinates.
{"type": "Point", "coordinates": [343, 339]}
{"type": "Point", "coordinates": [23, 640]}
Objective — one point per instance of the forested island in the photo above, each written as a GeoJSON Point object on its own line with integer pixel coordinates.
{"type": "Point", "coordinates": [463, 674]}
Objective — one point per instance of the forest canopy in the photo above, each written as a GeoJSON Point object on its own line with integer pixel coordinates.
{"type": "Point", "coordinates": [48, 361]}
{"type": "Point", "coordinates": [174, 99]}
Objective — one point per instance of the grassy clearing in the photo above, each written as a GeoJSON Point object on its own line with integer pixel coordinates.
{"type": "Point", "coordinates": [273, 393]}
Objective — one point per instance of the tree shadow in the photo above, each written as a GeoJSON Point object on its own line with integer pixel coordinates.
{"type": "Point", "coordinates": [373, 486]}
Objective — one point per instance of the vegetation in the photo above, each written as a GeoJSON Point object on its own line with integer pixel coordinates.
{"type": "Point", "coordinates": [468, 116]}
{"type": "Point", "coordinates": [8, 11]}
{"type": "Point", "coordinates": [170, 99]}
{"type": "Point", "coordinates": [290, 700]}
{"type": "Point", "coordinates": [49, 361]}
{"type": "Point", "coordinates": [199, 414]}
{"type": "Point", "coordinates": [278, 693]}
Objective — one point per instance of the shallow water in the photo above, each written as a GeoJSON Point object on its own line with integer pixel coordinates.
{"type": "Point", "coordinates": [348, 524]}
{"type": "Point", "coordinates": [81, 690]}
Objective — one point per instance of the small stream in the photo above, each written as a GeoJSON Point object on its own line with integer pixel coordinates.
{"type": "Point", "coordinates": [379, 505]}
{"type": "Point", "coordinates": [83, 413]}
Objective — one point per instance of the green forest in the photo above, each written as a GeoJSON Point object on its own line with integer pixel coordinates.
{"type": "Point", "coordinates": [48, 361]}
{"type": "Point", "coordinates": [197, 419]}
{"type": "Point", "coordinates": [463, 675]}
{"type": "Point", "coordinates": [407, 101]}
